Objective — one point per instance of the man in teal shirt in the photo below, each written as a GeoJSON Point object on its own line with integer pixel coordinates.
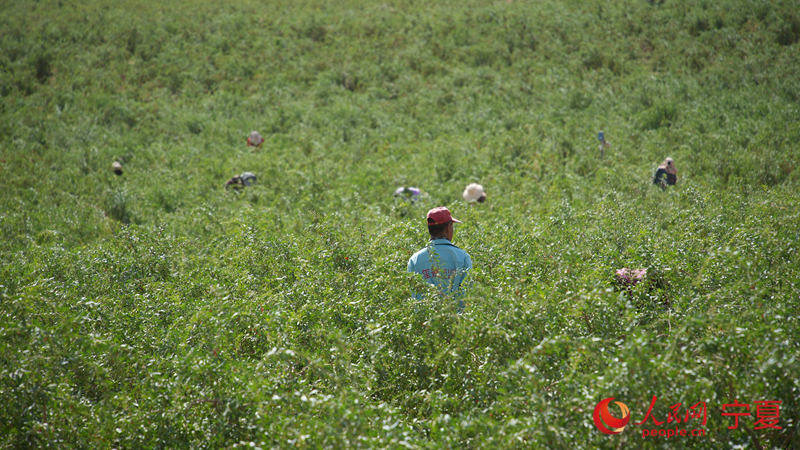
{"type": "Point", "coordinates": [441, 263]}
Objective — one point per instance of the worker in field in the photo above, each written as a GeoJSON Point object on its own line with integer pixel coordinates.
{"type": "Point", "coordinates": [666, 174]}
{"type": "Point", "coordinates": [474, 193]}
{"type": "Point", "coordinates": [441, 263]}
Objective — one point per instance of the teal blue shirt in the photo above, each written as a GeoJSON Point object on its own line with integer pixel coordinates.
{"type": "Point", "coordinates": [443, 265]}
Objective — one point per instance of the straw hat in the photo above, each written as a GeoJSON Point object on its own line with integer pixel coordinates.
{"type": "Point", "coordinates": [474, 193]}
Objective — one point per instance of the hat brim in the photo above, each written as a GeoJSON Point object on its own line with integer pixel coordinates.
{"type": "Point", "coordinates": [455, 220]}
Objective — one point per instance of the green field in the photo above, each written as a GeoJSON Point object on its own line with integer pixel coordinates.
{"type": "Point", "coordinates": [158, 309]}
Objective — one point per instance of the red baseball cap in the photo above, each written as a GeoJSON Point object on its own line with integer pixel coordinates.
{"type": "Point", "coordinates": [440, 216]}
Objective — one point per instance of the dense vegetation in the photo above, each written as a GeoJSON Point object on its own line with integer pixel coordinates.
{"type": "Point", "coordinates": [158, 309]}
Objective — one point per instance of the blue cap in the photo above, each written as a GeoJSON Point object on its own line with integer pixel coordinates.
{"type": "Point", "coordinates": [601, 137]}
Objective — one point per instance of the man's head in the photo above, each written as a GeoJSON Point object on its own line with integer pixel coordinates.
{"type": "Point", "coordinates": [669, 164]}
{"type": "Point", "coordinates": [440, 223]}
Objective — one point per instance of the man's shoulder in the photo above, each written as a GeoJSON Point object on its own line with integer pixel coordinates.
{"type": "Point", "coordinates": [459, 254]}
{"type": "Point", "coordinates": [466, 260]}
{"type": "Point", "coordinates": [424, 253]}
{"type": "Point", "coordinates": [415, 257]}
{"type": "Point", "coordinates": [465, 256]}
{"type": "Point", "coordinates": [459, 250]}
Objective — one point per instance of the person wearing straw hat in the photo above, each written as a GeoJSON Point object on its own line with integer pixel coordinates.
{"type": "Point", "coordinates": [441, 263]}
{"type": "Point", "coordinates": [474, 193]}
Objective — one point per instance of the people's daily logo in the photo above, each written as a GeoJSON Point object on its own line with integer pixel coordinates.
{"type": "Point", "coordinates": [608, 423]}
{"type": "Point", "coordinates": [684, 420]}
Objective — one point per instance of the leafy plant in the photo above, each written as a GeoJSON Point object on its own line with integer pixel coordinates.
{"type": "Point", "coordinates": [156, 309]}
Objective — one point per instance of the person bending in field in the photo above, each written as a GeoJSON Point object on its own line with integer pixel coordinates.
{"type": "Point", "coordinates": [666, 174]}
{"type": "Point", "coordinates": [441, 263]}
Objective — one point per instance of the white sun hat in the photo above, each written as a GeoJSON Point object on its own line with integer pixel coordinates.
{"type": "Point", "coordinates": [474, 193]}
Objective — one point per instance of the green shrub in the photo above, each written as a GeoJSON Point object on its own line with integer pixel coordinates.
{"type": "Point", "coordinates": [158, 309]}
{"type": "Point", "coordinates": [117, 206]}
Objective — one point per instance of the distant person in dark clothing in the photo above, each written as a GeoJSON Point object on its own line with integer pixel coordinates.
{"type": "Point", "coordinates": [666, 174]}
